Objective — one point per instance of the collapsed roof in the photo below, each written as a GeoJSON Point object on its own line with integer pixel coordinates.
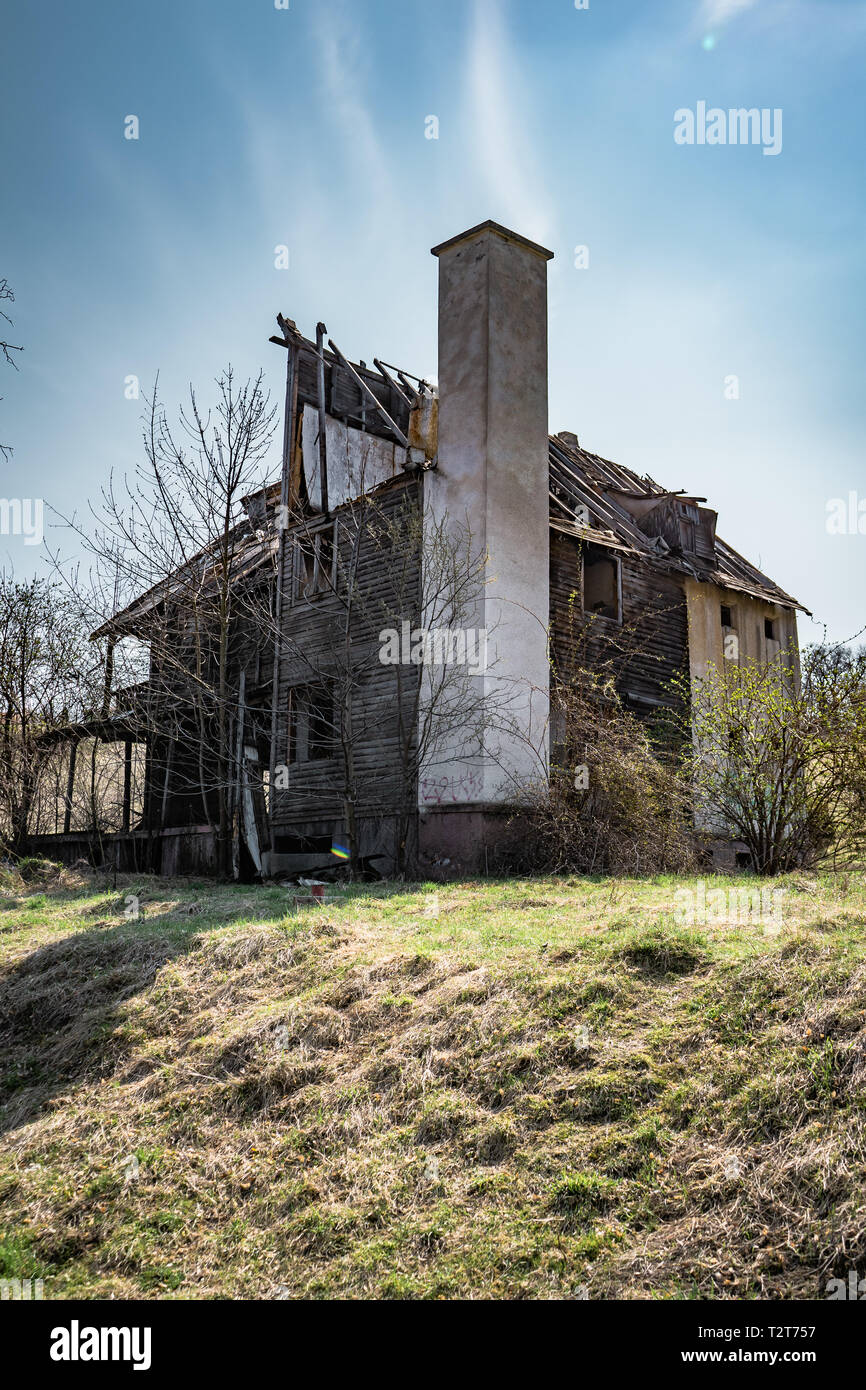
{"type": "Point", "coordinates": [378, 423]}
{"type": "Point", "coordinates": [250, 546]}
{"type": "Point", "coordinates": [671, 531]}
{"type": "Point", "coordinates": [381, 422]}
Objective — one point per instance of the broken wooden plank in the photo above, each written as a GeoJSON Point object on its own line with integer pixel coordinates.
{"type": "Point", "coordinates": [321, 330]}
{"type": "Point", "coordinates": [392, 425]}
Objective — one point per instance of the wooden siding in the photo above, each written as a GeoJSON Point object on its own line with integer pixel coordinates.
{"type": "Point", "coordinates": [314, 649]}
{"type": "Point", "coordinates": [647, 649]}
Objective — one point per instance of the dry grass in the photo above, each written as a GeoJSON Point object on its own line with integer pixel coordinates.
{"type": "Point", "coordinates": [491, 1089]}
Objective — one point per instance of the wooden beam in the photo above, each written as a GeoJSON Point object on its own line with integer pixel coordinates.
{"type": "Point", "coordinates": [410, 404]}
{"type": "Point", "coordinates": [109, 676]}
{"type": "Point", "coordinates": [286, 497]}
{"type": "Point", "coordinates": [392, 425]}
{"type": "Point", "coordinates": [165, 785]}
{"type": "Point", "coordinates": [422, 381]}
{"type": "Point", "coordinates": [321, 330]}
{"type": "Point", "coordinates": [70, 787]}
{"type": "Point", "coordinates": [127, 783]}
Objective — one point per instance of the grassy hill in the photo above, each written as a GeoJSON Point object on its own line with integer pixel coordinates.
{"type": "Point", "coordinates": [539, 1089]}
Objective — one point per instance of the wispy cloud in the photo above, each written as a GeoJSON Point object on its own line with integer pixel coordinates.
{"type": "Point", "coordinates": [715, 13]}
{"type": "Point", "coordinates": [498, 121]}
{"type": "Point", "coordinates": [345, 52]}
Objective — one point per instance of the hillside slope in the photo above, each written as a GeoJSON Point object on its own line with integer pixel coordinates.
{"type": "Point", "coordinates": [539, 1089]}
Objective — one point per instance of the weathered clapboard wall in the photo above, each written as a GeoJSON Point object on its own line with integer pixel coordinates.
{"type": "Point", "coordinates": [314, 647]}
{"type": "Point", "coordinates": [647, 650]}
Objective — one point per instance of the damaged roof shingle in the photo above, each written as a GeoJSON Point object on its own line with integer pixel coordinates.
{"type": "Point", "coordinates": [579, 478]}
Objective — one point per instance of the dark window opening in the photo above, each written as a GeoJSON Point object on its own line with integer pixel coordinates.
{"type": "Point", "coordinates": [601, 583]}
{"type": "Point", "coordinates": [311, 729]}
{"type": "Point", "coordinates": [315, 562]}
{"type": "Point", "coordinates": [306, 569]}
{"type": "Point", "coordinates": [727, 616]}
{"type": "Point", "coordinates": [325, 558]}
{"type": "Point", "coordinates": [769, 629]}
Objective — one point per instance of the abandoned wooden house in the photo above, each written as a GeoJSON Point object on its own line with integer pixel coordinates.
{"type": "Point", "coordinates": [338, 746]}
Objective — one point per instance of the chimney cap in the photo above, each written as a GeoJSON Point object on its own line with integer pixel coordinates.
{"type": "Point", "coordinates": [496, 227]}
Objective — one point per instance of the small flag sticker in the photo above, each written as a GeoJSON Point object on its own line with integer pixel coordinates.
{"type": "Point", "coordinates": [339, 851]}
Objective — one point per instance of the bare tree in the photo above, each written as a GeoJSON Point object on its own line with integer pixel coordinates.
{"type": "Point", "coordinates": [6, 347]}
{"type": "Point", "coordinates": [49, 676]}
{"type": "Point", "coordinates": [172, 550]}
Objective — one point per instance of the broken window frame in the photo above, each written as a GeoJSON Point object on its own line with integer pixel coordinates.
{"type": "Point", "coordinates": [605, 555]}
{"type": "Point", "coordinates": [314, 565]}
{"type": "Point", "coordinates": [306, 703]}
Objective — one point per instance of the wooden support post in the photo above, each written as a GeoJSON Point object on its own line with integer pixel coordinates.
{"type": "Point", "coordinates": [238, 779]}
{"type": "Point", "coordinates": [321, 330]}
{"type": "Point", "coordinates": [70, 787]}
{"type": "Point", "coordinates": [127, 783]}
{"type": "Point", "coordinates": [109, 677]}
{"type": "Point", "coordinates": [165, 786]}
{"type": "Point", "coordinates": [289, 430]}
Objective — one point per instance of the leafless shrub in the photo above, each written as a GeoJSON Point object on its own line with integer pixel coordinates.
{"type": "Point", "coordinates": [613, 800]}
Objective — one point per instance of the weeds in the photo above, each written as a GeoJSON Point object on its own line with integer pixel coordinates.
{"type": "Point", "coordinates": [506, 1101]}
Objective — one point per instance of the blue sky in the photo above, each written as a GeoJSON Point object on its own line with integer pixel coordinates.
{"type": "Point", "coordinates": [306, 128]}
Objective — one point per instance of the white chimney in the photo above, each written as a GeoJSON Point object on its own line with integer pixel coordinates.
{"type": "Point", "coordinates": [492, 475]}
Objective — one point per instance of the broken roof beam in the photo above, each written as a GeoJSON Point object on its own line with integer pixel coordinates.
{"type": "Point", "coordinates": [425, 390]}
{"type": "Point", "coordinates": [290, 331]}
{"type": "Point", "coordinates": [658, 496]}
{"type": "Point", "coordinates": [422, 381]}
{"type": "Point", "coordinates": [410, 402]}
{"type": "Point", "coordinates": [374, 399]}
